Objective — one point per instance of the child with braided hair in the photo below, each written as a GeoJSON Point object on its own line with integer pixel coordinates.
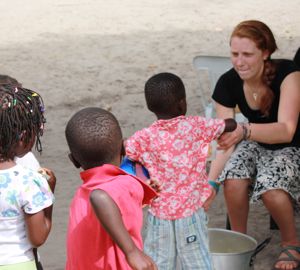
{"type": "Point", "coordinates": [28, 160]}
{"type": "Point", "coordinates": [26, 197]}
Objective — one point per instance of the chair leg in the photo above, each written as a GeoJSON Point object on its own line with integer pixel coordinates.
{"type": "Point", "coordinates": [273, 224]}
{"type": "Point", "coordinates": [228, 226]}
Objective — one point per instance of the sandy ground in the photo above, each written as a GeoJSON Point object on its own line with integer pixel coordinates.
{"type": "Point", "coordinates": [80, 53]}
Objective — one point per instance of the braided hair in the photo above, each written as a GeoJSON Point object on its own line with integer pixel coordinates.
{"type": "Point", "coordinates": [21, 118]}
{"type": "Point", "coordinates": [5, 79]}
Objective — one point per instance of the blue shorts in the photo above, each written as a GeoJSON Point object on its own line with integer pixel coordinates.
{"type": "Point", "coordinates": [183, 240]}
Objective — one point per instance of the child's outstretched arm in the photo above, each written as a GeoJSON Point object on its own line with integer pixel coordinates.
{"type": "Point", "coordinates": [110, 217]}
{"type": "Point", "coordinates": [39, 224]}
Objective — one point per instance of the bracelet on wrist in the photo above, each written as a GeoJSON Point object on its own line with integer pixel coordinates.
{"type": "Point", "coordinates": [243, 125]}
{"type": "Point", "coordinates": [249, 131]}
{"type": "Point", "coordinates": [215, 185]}
{"type": "Point", "coordinates": [246, 131]}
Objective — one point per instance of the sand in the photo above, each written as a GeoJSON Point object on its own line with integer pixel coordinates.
{"type": "Point", "coordinates": [100, 53]}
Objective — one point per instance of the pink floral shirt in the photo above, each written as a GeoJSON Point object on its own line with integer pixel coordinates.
{"type": "Point", "coordinates": [175, 151]}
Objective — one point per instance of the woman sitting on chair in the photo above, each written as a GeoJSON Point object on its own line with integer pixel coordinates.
{"type": "Point", "coordinates": [264, 153]}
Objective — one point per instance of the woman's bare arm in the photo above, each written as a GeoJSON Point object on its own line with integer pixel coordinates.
{"type": "Point", "coordinates": [289, 108]}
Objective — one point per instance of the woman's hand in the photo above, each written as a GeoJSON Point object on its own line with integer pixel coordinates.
{"type": "Point", "coordinates": [228, 139]}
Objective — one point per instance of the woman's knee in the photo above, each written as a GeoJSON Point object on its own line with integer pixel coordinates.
{"type": "Point", "coordinates": [275, 196]}
{"type": "Point", "coordinates": [232, 185]}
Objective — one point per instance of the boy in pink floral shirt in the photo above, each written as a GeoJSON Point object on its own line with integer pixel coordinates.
{"type": "Point", "coordinates": [174, 150]}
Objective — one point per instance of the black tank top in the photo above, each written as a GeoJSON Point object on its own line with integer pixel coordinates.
{"type": "Point", "coordinates": [229, 93]}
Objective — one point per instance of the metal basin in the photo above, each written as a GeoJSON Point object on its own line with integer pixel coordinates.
{"type": "Point", "coordinates": [231, 250]}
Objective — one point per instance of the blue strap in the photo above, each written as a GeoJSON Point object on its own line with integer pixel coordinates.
{"type": "Point", "coordinates": [215, 185]}
{"type": "Point", "coordinates": [129, 166]}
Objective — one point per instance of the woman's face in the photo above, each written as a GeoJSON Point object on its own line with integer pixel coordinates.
{"type": "Point", "coordinates": [247, 59]}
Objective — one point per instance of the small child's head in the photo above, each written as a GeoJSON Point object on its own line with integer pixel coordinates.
{"type": "Point", "coordinates": [21, 121]}
{"type": "Point", "coordinates": [94, 138]}
{"type": "Point", "coordinates": [165, 95]}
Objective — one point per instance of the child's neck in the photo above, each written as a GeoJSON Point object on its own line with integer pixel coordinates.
{"type": "Point", "coordinates": [168, 116]}
{"type": "Point", "coordinates": [4, 165]}
{"type": "Point", "coordinates": [116, 162]}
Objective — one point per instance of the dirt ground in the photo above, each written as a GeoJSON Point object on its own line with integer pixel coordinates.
{"type": "Point", "coordinates": [80, 53]}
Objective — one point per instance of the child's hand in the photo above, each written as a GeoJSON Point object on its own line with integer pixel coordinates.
{"type": "Point", "coordinates": [49, 175]}
{"type": "Point", "coordinates": [155, 184]}
{"type": "Point", "coordinates": [209, 200]}
{"type": "Point", "coordinates": [140, 261]}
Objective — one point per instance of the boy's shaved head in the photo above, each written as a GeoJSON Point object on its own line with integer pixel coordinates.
{"type": "Point", "coordinates": [163, 92]}
{"type": "Point", "coordinates": [94, 137]}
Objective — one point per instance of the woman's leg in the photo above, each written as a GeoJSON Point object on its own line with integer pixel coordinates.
{"type": "Point", "coordinates": [237, 201]}
{"type": "Point", "coordinates": [239, 169]}
{"type": "Point", "coordinates": [279, 204]}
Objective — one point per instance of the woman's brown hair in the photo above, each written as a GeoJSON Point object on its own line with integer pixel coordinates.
{"type": "Point", "coordinates": [264, 39]}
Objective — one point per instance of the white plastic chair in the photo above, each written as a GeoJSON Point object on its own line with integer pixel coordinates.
{"type": "Point", "coordinates": [214, 66]}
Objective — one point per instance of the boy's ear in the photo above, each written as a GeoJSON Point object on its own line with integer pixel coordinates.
{"type": "Point", "coordinates": [74, 161]}
{"type": "Point", "coordinates": [123, 152]}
